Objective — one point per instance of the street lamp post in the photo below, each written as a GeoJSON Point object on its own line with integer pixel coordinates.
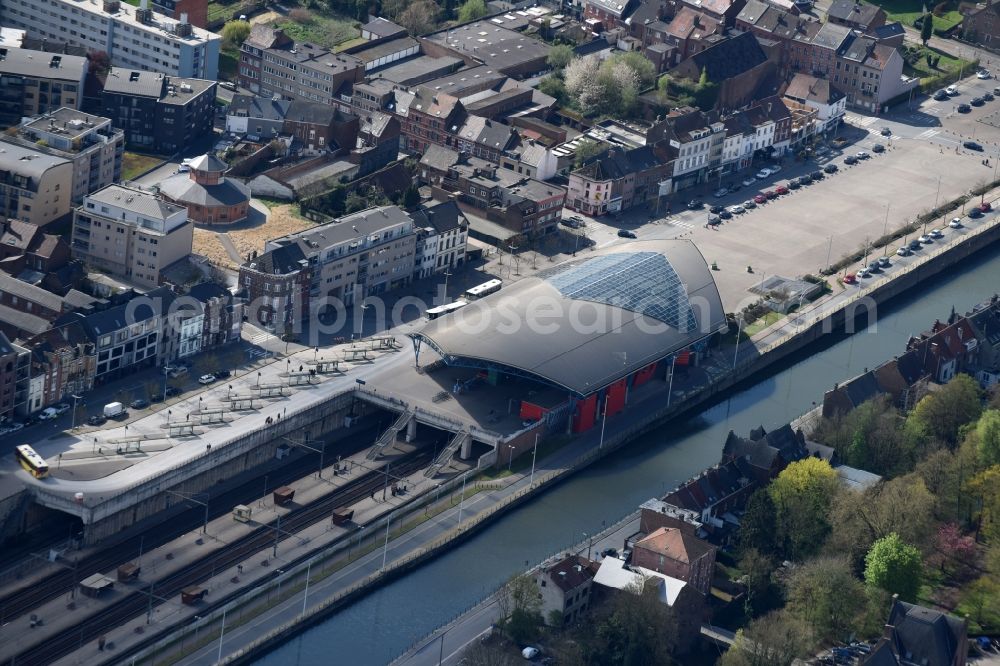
{"type": "Point", "coordinates": [604, 422]}
{"type": "Point", "coordinates": [447, 274]}
{"type": "Point", "coordinates": [385, 548]}
{"type": "Point", "coordinates": [534, 453]}
{"type": "Point", "coordinates": [75, 399]}
{"type": "Point", "coordinates": [670, 387]}
{"type": "Point", "coordinates": [461, 503]}
{"type": "Point", "coordinates": [739, 333]}
{"type": "Point", "coordinates": [204, 528]}
{"type": "Point", "coordinates": [510, 457]}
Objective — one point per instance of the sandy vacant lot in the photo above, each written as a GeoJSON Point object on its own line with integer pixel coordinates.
{"type": "Point", "coordinates": [281, 220]}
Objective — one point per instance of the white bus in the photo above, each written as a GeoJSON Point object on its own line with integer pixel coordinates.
{"type": "Point", "coordinates": [483, 289]}
{"type": "Point", "coordinates": [434, 313]}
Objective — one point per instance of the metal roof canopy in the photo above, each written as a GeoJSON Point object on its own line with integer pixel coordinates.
{"type": "Point", "coordinates": [615, 311]}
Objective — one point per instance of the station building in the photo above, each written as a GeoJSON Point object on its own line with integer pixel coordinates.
{"type": "Point", "coordinates": [592, 328]}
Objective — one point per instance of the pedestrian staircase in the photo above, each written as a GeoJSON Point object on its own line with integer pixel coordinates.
{"type": "Point", "coordinates": [443, 458]}
{"type": "Point", "coordinates": [389, 436]}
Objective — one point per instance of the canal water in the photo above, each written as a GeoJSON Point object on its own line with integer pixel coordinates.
{"type": "Point", "coordinates": [383, 624]}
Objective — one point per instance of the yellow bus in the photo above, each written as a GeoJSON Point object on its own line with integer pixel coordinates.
{"type": "Point", "coordinates": [33, 463]}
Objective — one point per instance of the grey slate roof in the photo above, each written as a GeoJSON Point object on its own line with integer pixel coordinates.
{"type": "Point", "coordinates": [41, 65]}
{"type": "Point", "coordinates": [181, 188]}
{"type": "Point", "coordinates": [730, 57]}
{"type": "Point", "coordinates": [443, 217]}
{"type": "Point", "coordinates": [634, 288]}
{"type": "Point", "coordinates": [24, 291]}
{"type": "Point", "coordinates": [264, 108]}
{"type": "Point", "coordinates": [349, 227]}
{"type": "Point", "coordinates": [138, 201]}
{"type": "Point", "coordinates": [208, 162]}
{"type": "Point", "coordinates": [279, 261]}
{"type": "Point", "coordinates": [24, 321]}
{"type": "Point", "coordinates": [381, 27]}
{"type": "Point", "coordinates": [860, 13]}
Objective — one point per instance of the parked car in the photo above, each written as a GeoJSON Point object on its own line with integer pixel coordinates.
{"type": "Point", "coordinates": [763, 173]}
{"type": "Point", "coordinates": [725, 214]}
{"type": "Point", "coordinates": [904, 251]}
{"type": "Point", "coordinates": [62, 408]}
{"type": "Point", "coordinates": [735, 186]}
{"type": "Point", "coordinates": [936, 233]}
{"type": "Point", "coordinates": [140, 403]}
{"type": "Point", "coordinates": [736, 209]}
{"type": "Point", "coordinates": [770, 194]}
{"type": "Point", "coordinates": [97, 419]}
{"type": "Point", "coordinates": [886, 131]}
{"type": "Point", "coordinates": [781, 189]}
{"type": "Point", "coordinates": [940, 96]}
{"type": "Point", "coordinates": [977, 101]}
{"type": "Point", "coordinates": [830, 168]}
{"type": "Point", "coordinates": [714, 220]}
{"type": "Point", "coordinates": [925, 240]}
{"type": "Point", "coordinates": [774, 168]}
{"type": "Point", "coordinates": [748, 181]}
{"type": "Point", "coordinates": [952, 91]}
{"type": "Point", "coordinates": [172, 391]}
{"type": "Point", "coordinates": [177, 371]}
{"type": "Point", "coordinates": [964, 108]}
{"type": "Point", "coordinates": [794, 184]}
{"type": "Point", "coordinates": [566, 222]}
{"type": "Point", "coordinates": [749, 204]}
{"type": "Point", "coordinates": [850, 278]}
{"type": "Point", "coordinates": [983, 75]}
{"type": "Point", "coordinates": [625, 233]}
{"type": "Point", "coordinates": [884, 262]}
{"type": "Point", "coordinates": [48, 413]}
{"type": "Point", "coordinates": [878, 148]}
{"type": "Point", "coordinates": [204, 380]}
{"type": "Point", "coordinates": [695, 204]}
{"type": "Point", "coordinates": [156, 397]}
{"type": "Point", "coordinates": [975, 213]}
{"type": "Point", "coordinates": [715, 210]}
{"type": "Point", "coordinates": [850, 159]}
{"type": "Point", "coordinates": [988, 97]}
{"type": "Point", "coordinates": [986, 206]}
{"type": "Point", "coordinates": [816, 175]}
{"type": "Point", "coordinates": [915, 244]}
{"type": "Point", "coordinates": [862, 155]}
{"type": "Point", "coordinates": [956, 223]}
{"type": "Point", "coordinates": [721, 192]}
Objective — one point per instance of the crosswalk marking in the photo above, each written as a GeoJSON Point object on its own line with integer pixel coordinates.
{"type": "Point", "coordinates": [680, 223]}
{"type": "Point", "coordinates": [926, 134]}
{"type": "Point", "coordinates": [863, 121]}
{"type": "Point", "coordinates": [262, 337]}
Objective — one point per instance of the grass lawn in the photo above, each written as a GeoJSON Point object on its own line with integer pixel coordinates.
{"type": "Point", "coordinates": [320, 30]}
{"type": "Point", "coordinates": [915, 62]}
{"type": "Point", "coordinates": [907, 11]}
{"type": "Point", "coordinates": [134, 164]}
{"type": "Point", "coordinates": [762, 323]}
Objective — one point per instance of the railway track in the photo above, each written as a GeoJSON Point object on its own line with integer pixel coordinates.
{"type": "Point", "coordinates": [29, 597]}
{"type": "Point", "coordinates": [137, 602]}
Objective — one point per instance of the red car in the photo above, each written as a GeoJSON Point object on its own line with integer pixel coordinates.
{"type": "Point", "coordinates": [850, 278]}
{"type": "Point", "coordinates": [759, 199]}
{"type": "Point", "coordinates": [985, 207]}
{"type": "Point", "coordinates": [781, 189]}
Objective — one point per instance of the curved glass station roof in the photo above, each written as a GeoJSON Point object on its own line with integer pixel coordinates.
{"type": "Point", "coordinates": [590, 321]}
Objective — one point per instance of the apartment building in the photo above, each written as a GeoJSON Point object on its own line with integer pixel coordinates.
{"type": "Point", "coordinates": [15, 378]}
{"type": "Point", "coordinates": [35, 82]}
{"type": "Point", "coordinates": [429, 118]}
{"type": "Point", "coordinates": [275, 287]}
{"type": "Point", "coordinates": [616, 180]}
{"type": "Point", "coordinates": [159, 113]}
{"type": "Point", "coordinates": [90, 142]}
{"type": "Point", "coordinates": [362, 254]}
{"type": "Point", "coordinates": [271, 63]}
{"type": "Point", "coordinates": [131, 234]}
{"type": "Point", "coordinates": [64, 362]}
{"type": "Point", "coordinates": [34, 187]}
{"type": "Point", "coordinates": [196, 10]}
{"type": "Point", "coordinates": [442, 232]}
{"type": "Point", "coordinates": [133, 37]}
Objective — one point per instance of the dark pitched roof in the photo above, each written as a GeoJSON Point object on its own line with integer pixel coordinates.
{"type": "Point", "coordinates": [853, 11]}
{"type": "Point", "coordinates": [279, 261]}
{"type": "Point", "coordinates": [443, 217]}
{"type": "Point", "coordinates": [315, 113]}
{"type": "Point", "coordinates": [19, 234]}
{"type": "Point", "coordinates": [204, 291]}
{"type": "Point", "coordinates": [381, 27]}
{"type": "Point", "coordinates": [888, 30]}
{"type": "Point", "coordinates": [615, 163]}
{"type": "Point", "coordinates": [263, 108]}
{"type": "Point", "coordinates": [113, 319]}
{"type": "Point", "coordinates": [730, 57]}
{"type": "Point", "coordinates": [570, 572]}
{"type": "Point", "coordinates": [919, 635]}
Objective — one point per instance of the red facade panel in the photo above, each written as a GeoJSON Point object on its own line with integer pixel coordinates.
{"type": "Point", "coordinates": [616, 397]}
{"type": "Point", "coordinates": [586, 414]}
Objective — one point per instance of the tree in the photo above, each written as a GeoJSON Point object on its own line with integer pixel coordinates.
{"type": "Point", "coordinates": [234, 33]}
{"type": "Point", "coordinates": [554, 87]}
{"type": "Point", "coordinates": [902, 505]}
{"type": "Point", "coordinates": [776, 639]}
{"type": "Point", "coordinates": [802, 494]}
{"type": "Point", "coordinates": [471, 10]}
{"type": "Point", "coordinates": [756, 569]}
{"type": "Point", "coordinates": [411, 198]}
{"type": "Point", "coordinates": [560, 55]}
{"type": "Point", "coordinates": [954, 545]}
{"type": "Point", "coordinates": [639, 629]}
{"type": "Point", "coordinates": [825, 594]}
{"type": "Point", "coordinates": [644, 69]}
{"type": "Point", "coordinates": [927, 28]}
{"type": "Point", "coordinates": [894, 566]}
{"type": "Point", "coordinates": [587, 148]}
{"type": "Point", "coordinates": [757, 524]}
{"type": "Point", "coordinates": [479, 654]}
{"type": "Point", "coordinates": [582, 84]}
{"type": "Point", "coordinates": [419, 17]}
{"type": "Point", "coordinates": [520, 604]}
{"type": "Point", "coordinates": [943, 413]}
{"type": "Point", "coordinates": [98, 63]}
{"type": "Point", "coordinates": [986, 487]}
{"type": "Point", "coordinates": [988, 436]}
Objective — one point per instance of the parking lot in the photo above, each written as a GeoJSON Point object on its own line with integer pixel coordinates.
{"type": "Point", "coordinates": [809, 228]}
